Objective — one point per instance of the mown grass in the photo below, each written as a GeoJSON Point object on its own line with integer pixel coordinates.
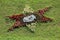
{"type": "Point", "coordinates": [44, 31]}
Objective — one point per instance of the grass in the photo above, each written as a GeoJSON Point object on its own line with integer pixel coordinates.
{"type": "Point", "coordinates": [44, 31]}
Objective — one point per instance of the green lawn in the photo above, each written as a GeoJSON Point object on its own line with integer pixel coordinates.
{"type": "Point", "coordinates": [44, 31]}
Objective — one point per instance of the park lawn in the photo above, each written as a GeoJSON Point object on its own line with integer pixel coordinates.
{"type": "Point", "coordinates": [44, 31]}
